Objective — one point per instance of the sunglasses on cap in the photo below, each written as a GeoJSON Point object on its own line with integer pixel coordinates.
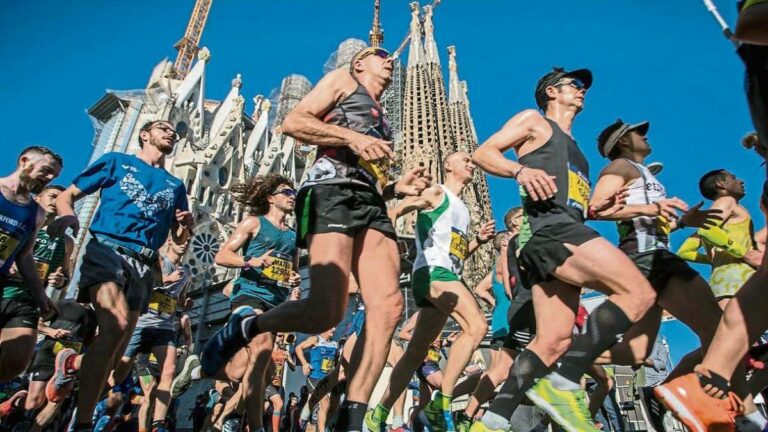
{"type": "Point", "coordinates": [574, 82]}
{"type": "Point", "coordinates": [287, 192]}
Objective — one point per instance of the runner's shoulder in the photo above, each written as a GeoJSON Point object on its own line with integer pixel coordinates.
{"type": "Point", "coordinates": [621, 167]}
{"type": "Point", "coordinates": [341, 81]}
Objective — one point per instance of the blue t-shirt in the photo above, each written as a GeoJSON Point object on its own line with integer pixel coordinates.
{"type": "Point", "coordinates": [138, 201]}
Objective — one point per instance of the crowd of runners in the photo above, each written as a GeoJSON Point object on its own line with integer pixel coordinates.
{"type": "Point", "coordinates": [83, 363]}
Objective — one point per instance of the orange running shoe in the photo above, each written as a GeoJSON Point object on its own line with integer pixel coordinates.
{"type": "Point", "coordinates": [699, 411]}
{"type": "Point", "coordinates": [12, 404]}
{"type": "Point", "coordinates": [60, 385]}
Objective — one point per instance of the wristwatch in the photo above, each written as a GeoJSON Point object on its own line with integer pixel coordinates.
{"type": "Point", "coordinates": [247, 262]}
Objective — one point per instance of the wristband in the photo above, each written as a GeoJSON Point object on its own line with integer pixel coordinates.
{"type": "Point", "coordinates": [246, 262]}
{"type": "Point", "coordinates": [477, 238]}
{"type": "Point", "coordinates": [515, 175]}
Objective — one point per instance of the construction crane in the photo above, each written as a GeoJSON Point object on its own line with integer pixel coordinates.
{"type": "Point", "coordinates": [188, 45]}
{"type": "Point", "coordinates": [376, 35]}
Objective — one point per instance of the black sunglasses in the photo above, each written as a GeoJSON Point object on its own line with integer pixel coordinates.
{"type": "Point", "coordinates": [574, 82]}
{"type": "Point", "coordinates": [287, 192]}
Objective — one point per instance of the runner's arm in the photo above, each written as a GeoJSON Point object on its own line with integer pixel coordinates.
{"type": "Point", "coordinates": [718, 236]}
{"type": "Point", "coordinates": [305, 345]}
{"type": "Point", "coordinates": [483, 236]}
{"type": "Point", "coordinates": [304, 122]}
{"type": "Point", "coordinates": [518, 130]}
{"type": "Point", "coordinates": [25, 263]}
{"type": "Point", "coordinates": [483, 290]}
{"type": "Point", "coordinates": [289, 361]}
{"type": "Point", "coordinates": [612, 178]}
{"type": "Point", "coordinates": [227, 255]}
{"type": "Point", "coordinates": [689, 250]}
{"type": "Point", "coordinates": [69, 260]}
{"type": "Point", "coordinates": [406, 332]}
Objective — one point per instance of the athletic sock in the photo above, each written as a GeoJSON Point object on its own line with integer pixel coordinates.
{"type": "Point", "coordinates": [443, 401]}
{"type": "Point", "coordinates": [380, 413]}
{"type": "Point", "coordinates": [397, 421]}
{"type": "Point", "coordinates": [605, 327]}
{"type": "Point", "coordinates": [526, 369]}
{"type": "Point", "coordinates": [250, 327]}
{"type": "Point", "coordinates": [195, 373]}
{"type": "Point", "coordinates": [562, 383]}
{"type": "Point", "coordinates": [351, 416]}
{"type": "Point", "coordinates": [494, 421]}
{"type": "Point", "coordinates": [756, 418]}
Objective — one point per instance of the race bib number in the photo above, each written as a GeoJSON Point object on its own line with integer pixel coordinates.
{"type": "Point", "coordinates": [279, 271]}
{"type": "Point", "coordinates": [327, 365]}
{"type": "Point", "coordinates": [459, 245]}
{"type": "Point", "coordinates": [162, 304]}
{"type": "Point", "coordinates": [277, 378]}
{"type": "Point", "coordinates": [377, 172]}
{"type": "Point", "coordinates": [579, 189]}
{"type": "Point", "coordinates": [152, 358]}
{"type": "Point", "coordinates": [433, 354]}
{"type": "Point", "coordinates": [42, 271]}
{"type": "Point", "coordinates": [61, 344]}
{"type": "Point", "coordinates": [8, 244]}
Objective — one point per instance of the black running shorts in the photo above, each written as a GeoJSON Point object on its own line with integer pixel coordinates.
{"type": "Point", "coordinates": [545, 250]}
{"type": "Point", "coordinates": [522, 324]}
{"type": "Point", "coordinates": [660, 266]}
{"type": "Point", "coordinates": [341, 208]}
{"type": "Point", "coordinates": [18, 313]}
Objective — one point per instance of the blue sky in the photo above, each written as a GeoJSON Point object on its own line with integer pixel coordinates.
{"type": "Point", "coordinates": [658, 60]}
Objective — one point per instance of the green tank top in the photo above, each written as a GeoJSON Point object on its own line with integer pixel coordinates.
{"type": "Point", "coordinates": [49, 255]}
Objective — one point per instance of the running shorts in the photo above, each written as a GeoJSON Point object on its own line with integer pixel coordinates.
{"type": "Point", "coordinates": [426, 369]}
{"type": "Point", "coordinates": [18, 313]}
{"type": "Point", "coordinates": [144, 339]}
{"type": "Point", "coordinates": [340, 208]}
{"type": "Point", "coordinates": [660, 266]}
{"type": "Point", "coordinates": [545, 250]}
{"type": "Point", "coordinates": [423, 277]}
{"type": "Point", "coordinates": [246, 300]}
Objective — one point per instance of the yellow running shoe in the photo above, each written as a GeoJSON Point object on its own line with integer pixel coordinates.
{"type": "Point", "coordinates": [567, 408]}
{"type": "Point", "coordinates": [479, 426]}
{"type": "Point", "coordinates": [374, 424]}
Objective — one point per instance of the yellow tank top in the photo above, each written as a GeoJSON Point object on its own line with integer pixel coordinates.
{"type": "Point", "coordinates": [741, 233]}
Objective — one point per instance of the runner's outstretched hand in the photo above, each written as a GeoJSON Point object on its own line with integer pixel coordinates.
{"type": "Point", "coordinates": [697, 218]}
{"type": "Point", "coordinates": [538, 184]}
{"type": "Point", "coordinates": [610, 205]}
{"type": "Point", "coordinates": [413, 182]}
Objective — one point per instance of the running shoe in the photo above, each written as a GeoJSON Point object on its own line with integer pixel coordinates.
{"type": "Point", "coordinates": [479, 426]}
{"type": "Point", "coordinates": [184, 380]}
{"type": "Point", "coordinates": [374, 424]}
{"type": "Point", "coordinates": [226, 342]}
{"type": "Point", "coordinates": [435, 419]}
{"type": "Point", "coordinates": [463, 422]}
{"type": "Point", "coordinates": [231, 424]}
{"type": "Point", "coordinates": [9, 406]}
{"type": "Point", "coordinates": [61, 382]}
{"type": "Point", "coordinates": [567, 408]}
{"type": "Point", "coordinates": [697, 410]}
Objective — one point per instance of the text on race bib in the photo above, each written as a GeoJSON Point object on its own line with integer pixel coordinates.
{"type": "Point", "coordinates": [327, 365]}
{"type": "Point", "coordinates": [42, 270]}
{"type": "Point", "coordinates": [8, 244]}
{"type": "Point", "coordinates": [280, 269]}
{"type": "Point", "coordinates": [579, 189]}
{"type": "Point", "coordinates": [433, 354]}
{"type": "Point", "coordinates": [61, 344]}
{"type": "Point", "coordinates": [459, 244]}
{"type": "Point", "coordinates": [162, 304]}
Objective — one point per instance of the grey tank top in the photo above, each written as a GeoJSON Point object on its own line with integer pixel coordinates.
{"type": "Point", "coordinates": [340, 165]}
{"type": "Point", "coordinates": [562, 158]}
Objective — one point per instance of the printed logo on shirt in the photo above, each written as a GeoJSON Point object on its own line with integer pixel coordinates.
{"type": "Point", "coordinates": [150, 205]}
{"type": "Point", "coordinates": [130, 168]}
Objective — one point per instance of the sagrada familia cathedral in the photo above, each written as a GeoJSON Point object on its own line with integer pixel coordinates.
{"type": "Point", "coordinates": [222, 144]}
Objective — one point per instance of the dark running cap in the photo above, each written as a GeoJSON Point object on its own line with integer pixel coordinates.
{"type": "Point", "coordinates": [551, 78]}
{"type": "Point", "coordinates": [608, 138]}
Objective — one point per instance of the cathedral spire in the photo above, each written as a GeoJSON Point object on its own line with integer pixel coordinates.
{"type": "Point", "coordinates": [416, 49]}
{"type": "Point", "coordinates": [430, 45]}
{"type": "Point", "coordinates": [376, 35]}
{"type": "Point", "coordinates": [454, 88]}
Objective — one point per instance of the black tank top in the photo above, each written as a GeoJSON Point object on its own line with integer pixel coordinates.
{"type": "Point", "coordinates": [562, 158]}
{"type": "Point", "coordinates": [340, 165]}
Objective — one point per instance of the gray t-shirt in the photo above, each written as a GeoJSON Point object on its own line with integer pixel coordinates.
{"type": "Point", "coordinates": [658, 373]}
{"type": "Point", "coordinates": [163, 301]}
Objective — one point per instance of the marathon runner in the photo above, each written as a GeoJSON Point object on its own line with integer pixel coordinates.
{"type": "Point", "coordinates": [20, 219]}
{"type": "Point", "coordinates": [560, 255]}
{"type": "Point", "coordinates": [343, 221]}
{"type": "Point", "coordinates": [644, 225]}
{"type": "Point", "coordinates": [323, 357]}
{"type": "Point", "coordinates": [275, 375]}
{"type": "Point", "coordinates": [727, 244]}
{"type": "Point", "coordinates": [140, 203]}
{"type": "Point", "coordinates": [443, 244]}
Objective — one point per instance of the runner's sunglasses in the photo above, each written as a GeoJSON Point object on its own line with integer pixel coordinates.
{"type": "Point", "coordinates": [287, 192]}
{"type": "Point", "coordinates": [574, 82]}
{"type": "Point", "coordinates": [378, 52]}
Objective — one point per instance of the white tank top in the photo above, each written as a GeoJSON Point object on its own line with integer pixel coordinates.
{"type": "Point", "coordinates": [441, 235]}
{"type": "Point", "coordinates": [644, 233]}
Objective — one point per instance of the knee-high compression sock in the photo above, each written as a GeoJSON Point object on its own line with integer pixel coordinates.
{"type": "Point", "coordinates": [605, 327]}
{"type": "Point", "coordinates": [527, 368]}
{"type": "Point", "coordinates": [350, 416]}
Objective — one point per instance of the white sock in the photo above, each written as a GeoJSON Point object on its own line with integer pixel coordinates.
{"type": "Point", "coordinates": [755, 419]}
{"type": "Point", "coordinates": [562, 383]}
{"type": "Point", "coordinates": [397, 421]}
{"type": "Point", "coordinates": [305, 412]}
{"type": "Point", "coordinates": [495, 421]}
{"type": "Point", "coordinates": [195, 374]}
